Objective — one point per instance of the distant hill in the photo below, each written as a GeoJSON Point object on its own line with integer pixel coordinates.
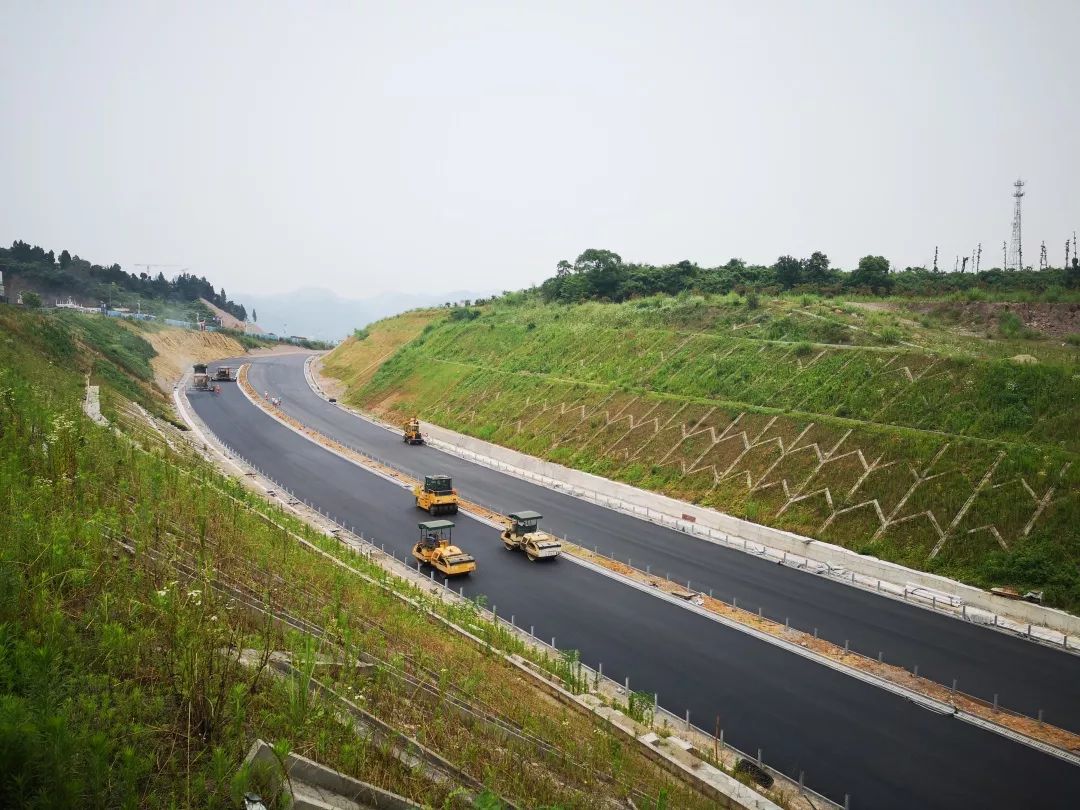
{"type": "Point", "coordinates": [322, 314]}
{"type": "Point", "coordinates": [28, 267]}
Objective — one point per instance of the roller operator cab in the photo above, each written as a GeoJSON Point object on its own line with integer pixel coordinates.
{"type": "Point", "coordinates": [523, 533]}
{"type": "Point", "coordinates": [411, 432]}
{"type": "Point", "coordinates": [435, 548]}
{"type": "Point", "coordinates": [437, 495]}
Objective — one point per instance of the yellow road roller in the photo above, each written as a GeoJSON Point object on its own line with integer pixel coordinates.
{"type": "Point", "coordinates": [522, 533]}
{"type": "Point", "coordinates": [436, 549]}
{"type": "Point", "coordinates": [437, 495]}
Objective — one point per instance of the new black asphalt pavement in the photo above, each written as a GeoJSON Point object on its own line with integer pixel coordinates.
{"type": "Point", "coordinates": [848, 737]}
{"type": "Point", "coordinates": [1026, 677]}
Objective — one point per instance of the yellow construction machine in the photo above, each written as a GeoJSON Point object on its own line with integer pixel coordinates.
{"type": "Point", "coordinates": [411, 432]}
{"type": "Point", "coordinates": [437, 495]}
{"type": "Point", "coordinates": [436, 549]}
{"type": "Point", "coordinates": [224, 374]}
{"type": "Point", "coordinates": [522, 533]}
{"type": "Point", "coordinates": [200, 380]}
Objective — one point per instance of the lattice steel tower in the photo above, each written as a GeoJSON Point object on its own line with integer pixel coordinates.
{"type": "Point", "coordinates": [1016, 248]}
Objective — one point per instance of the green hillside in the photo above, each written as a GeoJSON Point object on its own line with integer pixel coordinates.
{"type": "Point", "coordinates": [919, 432]}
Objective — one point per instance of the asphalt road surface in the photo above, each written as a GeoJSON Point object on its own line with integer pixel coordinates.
{"type": "Point", "coordinates": [848, 737]}
{"type": "Point", "coordinates": [1025, 676]}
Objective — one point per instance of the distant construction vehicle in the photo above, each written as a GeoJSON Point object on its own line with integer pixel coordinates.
{"type": "Point", "coordinates": [523, 534]}
{"type": "Point", "coordinates": [437, 495]}
{"type": "Point", "coordinates": [411, 432]}
{"type": "Point", "coordinates": [436, 549]}
{"type": "Point", "coordinates": [200, 380]}
{"type": "Point", "coordinates": [224, 374]}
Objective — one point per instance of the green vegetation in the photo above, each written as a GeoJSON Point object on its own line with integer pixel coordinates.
{"type": "Point", "coordinates": [131, 577]}
{"type": "Point", "coordinates": [602, 275]}
{"type": "Point", "coordinates": [888, 431]}
{"type": "Point", "coordinates": [30, 266]}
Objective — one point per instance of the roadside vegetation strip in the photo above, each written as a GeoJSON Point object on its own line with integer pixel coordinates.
{"type": "Point", "coordinates": [1066, 743]}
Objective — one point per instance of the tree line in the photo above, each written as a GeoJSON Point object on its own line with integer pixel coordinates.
{"type": "Point", "coordinates": [602, 275]}
{"type": "Point", "coordinates": [78, 277]}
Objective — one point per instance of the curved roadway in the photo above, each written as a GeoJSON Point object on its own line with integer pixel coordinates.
{"type": "Point", "coordinates": [1026, 676]}
{"type": "Point", "coordinates": [849, 737]}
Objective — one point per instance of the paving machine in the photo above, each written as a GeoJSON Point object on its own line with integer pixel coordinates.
{"type": "Point", "coordinates": [437, 495]}
{"type": "Point", "coordinates": [522, 533]}
{"type": "Point", "coordinates": [411, 432]}
{"type": "Point", "coordinates": [200, 380]}
{"type": "Point", "coordinates": [436, 549]}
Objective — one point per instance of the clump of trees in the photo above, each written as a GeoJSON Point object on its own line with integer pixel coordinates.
{"type": "Point", "coordinates": [71, 275]}
{"type": "Point", "coordinates": [602, 275]}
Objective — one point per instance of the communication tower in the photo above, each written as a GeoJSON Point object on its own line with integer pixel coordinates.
{"type": "Point", "coordinates": [1016, 249]}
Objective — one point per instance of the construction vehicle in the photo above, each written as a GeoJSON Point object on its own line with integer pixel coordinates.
{"type": "Point", "coordinates": [437, 495]}
{"type": "Point", "coordinates": [200, 380]}
{"type": "Point", "coordinates": [224, 374]}
{"type": "Point", "coordinates": [436, 549]}
{"type": "Point", "coordinates": [522, 533]}
{"type": "Point", "coordinates": [411, 432]}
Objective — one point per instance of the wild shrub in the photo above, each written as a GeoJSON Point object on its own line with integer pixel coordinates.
{"type": "Point", "coordinates": [890, 335]}
{"type": "Point", "coordinates": [1011, 326]}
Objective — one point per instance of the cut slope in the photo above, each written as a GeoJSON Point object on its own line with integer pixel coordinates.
{"type": "Point", "coordinates": [357, 359]}
{"type": "Point", "coordinates": [960, 465]}
{"type": "Point", "coordinates": [229, 321]}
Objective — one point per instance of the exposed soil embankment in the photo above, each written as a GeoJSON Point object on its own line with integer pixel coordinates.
{"type": "Point", "coordinates": [178, 349]}
{"type": "Point", "coordinates": [1055, 320]}
{"type": "Point", "coordinates": [230, 321]}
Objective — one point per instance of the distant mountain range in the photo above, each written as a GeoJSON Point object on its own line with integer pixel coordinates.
{"type": "Point", "coordinates": [319, 313]}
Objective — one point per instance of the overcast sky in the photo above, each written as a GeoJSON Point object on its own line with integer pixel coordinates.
{"type": "Point", "coordinates": [369, 147]}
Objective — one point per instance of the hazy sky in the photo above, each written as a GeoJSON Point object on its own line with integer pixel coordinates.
{"type": "Point", "coordinates": [446, 145]}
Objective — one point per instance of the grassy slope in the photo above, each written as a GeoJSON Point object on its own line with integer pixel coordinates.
{"type": "Point", "coordinates": [889, 432]}
{"type": "Point", "coordinates": [356, 361]}
{"type": "Point", "coordinates": [113, 689]}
